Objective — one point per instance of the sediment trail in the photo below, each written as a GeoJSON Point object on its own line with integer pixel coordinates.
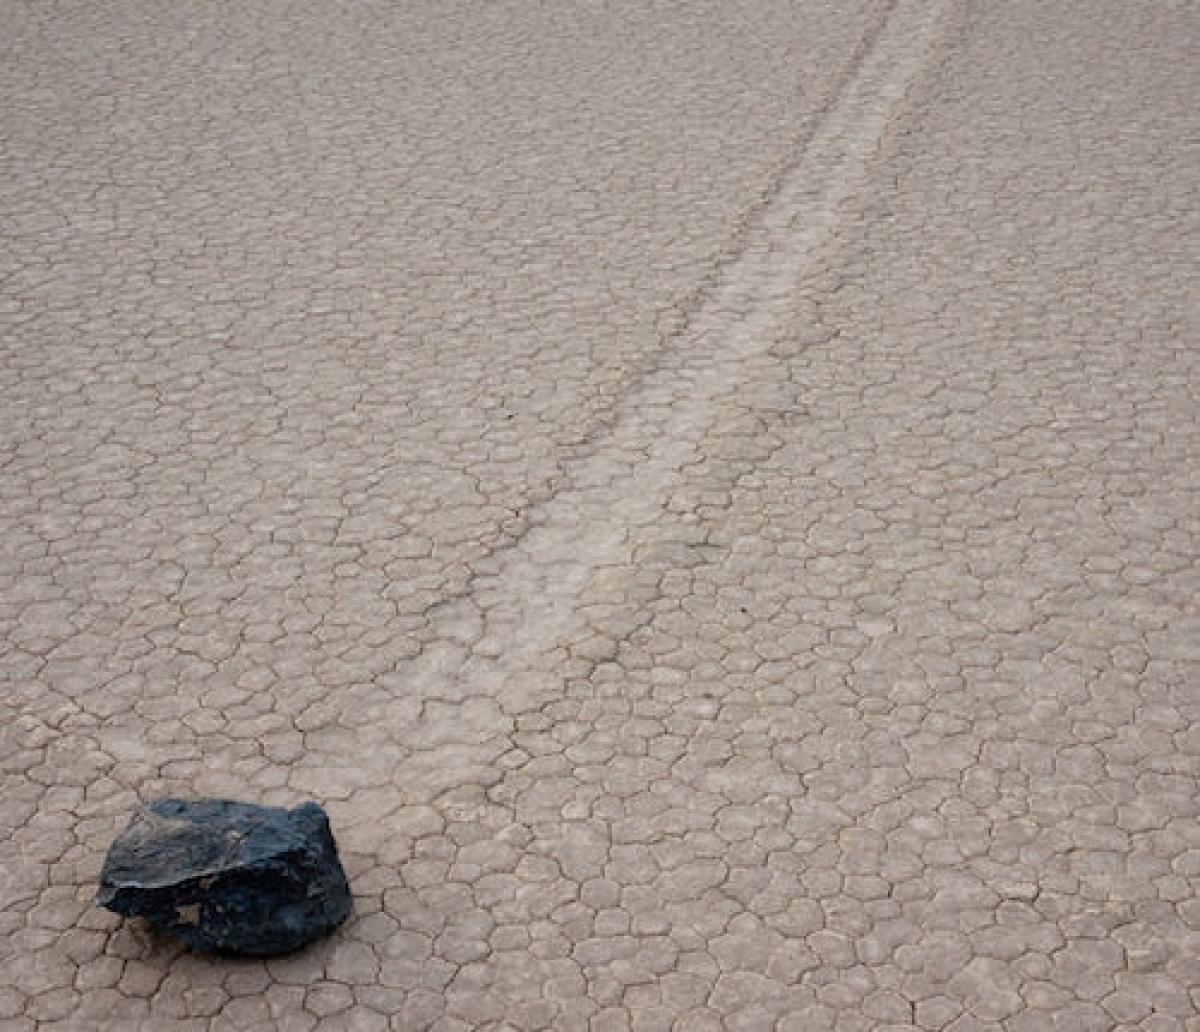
{"type": "Point", "coordinates": [529, 607]}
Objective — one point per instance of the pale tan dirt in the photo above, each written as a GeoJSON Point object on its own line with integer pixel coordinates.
{"type": "Point", "coordinates": [706, 495]}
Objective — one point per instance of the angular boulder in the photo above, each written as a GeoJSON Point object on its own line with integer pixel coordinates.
{"type": "Point", "coordinates": [228, 877]}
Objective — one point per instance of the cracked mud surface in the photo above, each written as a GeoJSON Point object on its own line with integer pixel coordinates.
{"type": "Point", "coordinates": [705, 495]}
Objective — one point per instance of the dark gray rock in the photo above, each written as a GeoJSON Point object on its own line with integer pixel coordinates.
{"type": "Point", "coordinates": [228, 877]}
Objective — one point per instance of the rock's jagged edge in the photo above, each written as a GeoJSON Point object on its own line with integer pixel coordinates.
{"type": "Point", "coordinates": [228, 877]}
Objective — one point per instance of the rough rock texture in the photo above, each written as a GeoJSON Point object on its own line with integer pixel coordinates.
{"type": "Point", "coordinates": [226, 876]}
